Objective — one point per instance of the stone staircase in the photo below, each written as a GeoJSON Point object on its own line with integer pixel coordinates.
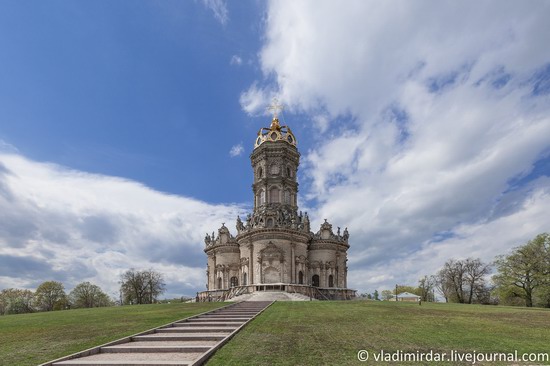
{"type": "Point", "coordinates": [186, 342]}
{"type": "Point", "coordinates": [272, 296]}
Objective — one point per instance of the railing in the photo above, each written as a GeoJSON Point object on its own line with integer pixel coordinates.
{"type": "Point", "coordinates": [319, 293]}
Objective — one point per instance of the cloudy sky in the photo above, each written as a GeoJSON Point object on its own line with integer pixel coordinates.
{"type": "Point", "coordinates": [125, 131]}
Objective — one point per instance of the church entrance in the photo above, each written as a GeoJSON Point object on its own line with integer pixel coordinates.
{"type": "Point", "coordinates": [301, 278]}
{"type": "Point", "coordinates": [315, 281]}
{"type": "Point", "coordinates": [271, 275]}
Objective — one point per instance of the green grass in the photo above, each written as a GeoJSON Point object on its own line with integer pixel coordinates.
{"type": "Point", "coordinates": [292, 333]}
{"type": "Point", "coordinates": [31, 339]}
{"type": "Point", "coordinates": [331, 333]}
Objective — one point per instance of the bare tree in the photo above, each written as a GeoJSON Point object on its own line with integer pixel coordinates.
{"type": "Point", "coordinates": [426, 286]}
{"type": "Point", "coordinates": [475, 273]}
{"type": "Point", "coordinates": [460, 280]}
{"type": "Point", "coordinates": [141, 287]}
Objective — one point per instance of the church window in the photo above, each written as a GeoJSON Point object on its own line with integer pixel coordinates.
{"type": "Point", "coordinates": [234, 281]}
{"type": "Point", "coordinates": [244, 279]}
{"type": "Point", "coordinates": [269, 222]}
{"type": "Point", "coordinates": [288, 172]}
{"type": "Point", "coordinates": [287, 197]}
{"type": "Point", "coordinates": [301, 278]}
{"type": "Point", "coordinates": [315, 281]}
{"type": "Point", "coordinates": [220, 283]}
{"type": "Point", "coordinates": [274, 195]}
{"type": "Point", "coordinates": [260, 172]}
{"type": "Point", "coordinates": [330, 281]}
{"type": "Point", "coordinates": [262, 197]}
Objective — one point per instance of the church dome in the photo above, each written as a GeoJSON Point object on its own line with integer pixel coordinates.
{"type": "Point", "coordinates": [275, 132]}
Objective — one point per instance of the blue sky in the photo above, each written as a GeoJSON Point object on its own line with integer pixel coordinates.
{"type": "Point", "coordinates": [125, 130]}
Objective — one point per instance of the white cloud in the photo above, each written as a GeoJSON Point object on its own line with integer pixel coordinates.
{"type": "Point", "coordinates": [236, 60]}
{"type": "Point", "coordinates": [73, 226]}
{"type": "Point", "coordinates": [442, 117]}
{"type": "Point", "coordinates": [236, 150]}
{"type": "Point", "coordinates": [219, 8]}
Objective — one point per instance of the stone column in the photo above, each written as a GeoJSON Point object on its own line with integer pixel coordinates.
{"type": "Point", "coordinates": [251, 264]}
{"type": "Point", "coordinates": [292, 263]}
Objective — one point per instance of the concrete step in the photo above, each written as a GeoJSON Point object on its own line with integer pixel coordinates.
{"type": "Point", "coordinates": [217, 319]}
{"type": "Point", "coordinates": [160, 349]}
{"type": "Point", "coordinates": [208, 324]}
{"type": "Point", "coordinates": [180, 337]}
{"type": "Point", "coordinates": [198, 329]}
{"type": "Point", "coordinates": [118, 359]}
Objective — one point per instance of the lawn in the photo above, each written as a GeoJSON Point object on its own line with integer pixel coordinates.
{"type": "Point", "coordinates": [293, 333]}
{"type": "Point", "coordinates": [31, 339]}
{"type": "Point", "coordinates": [331, 333]}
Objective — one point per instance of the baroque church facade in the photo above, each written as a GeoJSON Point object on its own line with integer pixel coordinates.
{"type": "Point", "coordinates": [274, 246]}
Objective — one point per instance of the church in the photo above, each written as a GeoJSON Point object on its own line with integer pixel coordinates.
{"type": "Point", "coordinates": [274, 247]}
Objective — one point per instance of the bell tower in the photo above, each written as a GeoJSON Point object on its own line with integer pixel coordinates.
{"type": "Point", "coordinates": [275, 161]}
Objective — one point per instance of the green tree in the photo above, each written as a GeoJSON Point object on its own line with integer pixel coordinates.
{"type": "Point", "coordinates": [375, 295]}
{"type": "Point", "coordinates": [16, 301]}
{"type": "Point", "coordinates": [50, 295]}
{"type": "Point", "coordinates": [525, 271]}
{"type": "Point", "coordinates": [387, 295]}
{"type": "Point", "coordinates": [88, 295]}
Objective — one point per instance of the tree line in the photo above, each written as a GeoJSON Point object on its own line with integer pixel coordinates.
{"type": "Point", "coordinates": [136, 287]}
{"type": "Point", "coordinates": [522, 278]}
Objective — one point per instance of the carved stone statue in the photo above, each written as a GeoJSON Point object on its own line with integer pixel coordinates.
{"type": "Point", "coordinates": [240, 226]}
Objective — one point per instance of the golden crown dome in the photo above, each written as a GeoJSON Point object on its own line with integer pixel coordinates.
{"type": "Point", "coordinates": [275, 132]}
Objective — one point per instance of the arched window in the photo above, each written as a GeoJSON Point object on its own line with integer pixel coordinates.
{"type": "Point", "coordinates": [288, 172]}
{"type": "Point", "coordinates": [274, 195]}
{"type": "Point", "coordinates": [315, 281]}
{"type": "Point", "coordinates": [219, 283]}
{"type": "Point", "coordinates": [301, 278]}
{"type": "Point", "coordinates": [244, 279]}
{"type": "Point", "coordinates": [330, 281]}
{"type": "Point", "coordinates": [234, 281]}
{"type": "Point", "coordinates": [287, 197]}
{"type": "Point", "coordinates": [261, 198]}
{"type": "Point", "coordinates": [260, 172]}
{"type": "Point", "coordinates": [269, 222]}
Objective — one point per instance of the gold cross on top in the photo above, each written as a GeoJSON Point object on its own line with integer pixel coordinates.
{"type": "Point", "coordinates": [275, 107]}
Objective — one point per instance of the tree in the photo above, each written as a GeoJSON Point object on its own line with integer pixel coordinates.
{"type": "Point", "coordinates": [50, 295]}
{"type": "Point", "coordinates": [426, 286]}
{"type": "Point", "coordinates": [443, 285]}
{"type": "Point", "coordinates": [463, 280]}
{"type": "Point", "coordinates": [16, 301]}
{"type": "Point", "coordinates": [387, 295]}
{"type": "Point", "coordinates": [525, 270]}
{"type": "Point", "coordinates": [88, 295]}
{"type": "Point", "coordinates": [375, 295]}
{"type": "Point", "coordinates": [141, 287]}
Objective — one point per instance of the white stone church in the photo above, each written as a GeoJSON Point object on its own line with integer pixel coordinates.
{"type": "Point", "coordinates": [274, 248]}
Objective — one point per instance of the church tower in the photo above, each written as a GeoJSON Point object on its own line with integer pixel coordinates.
{"type": "Point", "coordinates": [274, 247]}
{"type": "Point", "coordinates": [275, 161]}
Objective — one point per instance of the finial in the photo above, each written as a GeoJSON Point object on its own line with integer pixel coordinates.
{"type": "Point", "coordinates": [275, 107]}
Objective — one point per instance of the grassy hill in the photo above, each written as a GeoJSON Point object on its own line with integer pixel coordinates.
{"type": "Point", "coordinates": [31, 339]}
{"type": "Point", "coordinates": [332, 333]}
{"type": "Point", "coordinates": [293, 333]}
